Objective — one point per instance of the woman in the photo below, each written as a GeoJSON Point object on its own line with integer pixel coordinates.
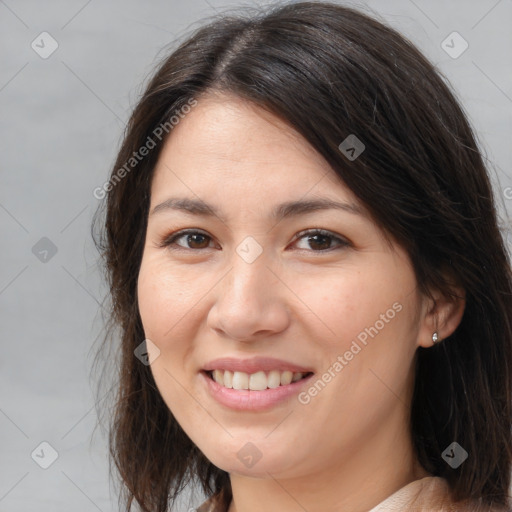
{"type": "Point", "coordinates": [313, 295]}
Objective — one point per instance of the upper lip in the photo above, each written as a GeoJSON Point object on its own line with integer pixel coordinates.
{"type": "Point", "coordinates": [253, 365]}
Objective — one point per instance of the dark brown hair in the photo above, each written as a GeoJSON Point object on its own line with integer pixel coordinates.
{"type": "Point", "coordinates": [331, 71]}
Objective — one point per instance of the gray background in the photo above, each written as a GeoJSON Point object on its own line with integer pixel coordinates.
{"type": "Point", "coordinates": [61, 123]}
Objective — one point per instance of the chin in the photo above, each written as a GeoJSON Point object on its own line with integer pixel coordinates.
{"type": "Point", "coordinates": [250, 459]}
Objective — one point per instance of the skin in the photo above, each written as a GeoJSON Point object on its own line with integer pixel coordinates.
{"type": "Point", "coordinates": [349, 447]}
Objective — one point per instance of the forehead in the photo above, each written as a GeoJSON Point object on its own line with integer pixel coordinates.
{"type": "Point", "coordinates": [233, 127]}
{"type": "Point", "coordinates": [226, 141]}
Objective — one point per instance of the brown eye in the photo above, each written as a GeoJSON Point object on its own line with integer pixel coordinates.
{"type": "Point", "coordinates": [193, 240]}
{"type": "Point", "coordinates": [318, 240]}
{"type": "Point", "coordinates": [197, 240]}
{"type": "Point", "coordinates": [321, 240]}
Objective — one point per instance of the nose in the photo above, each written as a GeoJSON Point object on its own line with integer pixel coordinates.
{"type": "Point", "coordinates": [250, 301]}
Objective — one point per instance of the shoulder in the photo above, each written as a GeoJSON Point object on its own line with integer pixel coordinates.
{"type": "Point", "coordinates": [211, 505]}
{"type": "Point", "coordinates": [476, 506]}
{"type": "Point", "coordinates": [429, 494]}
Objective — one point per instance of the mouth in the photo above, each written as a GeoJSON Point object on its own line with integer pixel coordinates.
{"type": "Point", "coordinates": [258, 381]}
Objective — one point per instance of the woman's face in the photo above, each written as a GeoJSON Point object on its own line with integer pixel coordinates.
{"type": "Point", "coordinates": [255, 280]}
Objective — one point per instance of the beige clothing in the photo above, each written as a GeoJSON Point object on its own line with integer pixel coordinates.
{"type": "Point", "coordinates": [429, 494]}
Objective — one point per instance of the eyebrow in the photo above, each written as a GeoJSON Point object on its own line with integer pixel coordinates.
{"type": "Point", "coordinates": [279, 212]}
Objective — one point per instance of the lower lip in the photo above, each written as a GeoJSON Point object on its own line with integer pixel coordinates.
{"type": "Point", "coordinates": [248, 400]}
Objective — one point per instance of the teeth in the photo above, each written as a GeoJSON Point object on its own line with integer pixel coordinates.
{"type": "Point", "coordinates": [228, 378]}
{"type": "Point", "coordinates": [274, 379]}
{"type": "Point", "coordinates": [286, 378]}
{"type": "Point", "coordinates": [296, 377]}
{"type": "Point", "coordinates": [240, 380]}
{"type": "Point", "coordinates": [258, 381]}
{"type": "Point", "coordinates": [255, 381]}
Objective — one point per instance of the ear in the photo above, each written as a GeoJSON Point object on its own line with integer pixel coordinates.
{"type": "Point", "coordinates": [441, 314]}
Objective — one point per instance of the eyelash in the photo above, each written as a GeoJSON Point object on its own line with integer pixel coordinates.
{"type": "Point", "coordinates": [169, 241]}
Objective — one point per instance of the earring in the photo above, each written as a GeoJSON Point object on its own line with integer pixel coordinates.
{"type": "Point", "coordinates": [435, 338]}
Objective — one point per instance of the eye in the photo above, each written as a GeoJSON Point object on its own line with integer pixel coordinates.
{"type": "Point", "coordinates": [191, 236]}
{"type": "Point", "coordinates": [322, 238]}
{"type": "Point", "coordinates": [194, 239]}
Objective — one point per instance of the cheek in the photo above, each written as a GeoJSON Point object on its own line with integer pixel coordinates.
{"type": "Point", "coordinates": [367, 317]}
{"type": "Point", "coordinates": [164, 297]}
{"type": "Point", "coordinates": [166, 308]}
{"type": "Point", "coordinates": [353, 301]}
